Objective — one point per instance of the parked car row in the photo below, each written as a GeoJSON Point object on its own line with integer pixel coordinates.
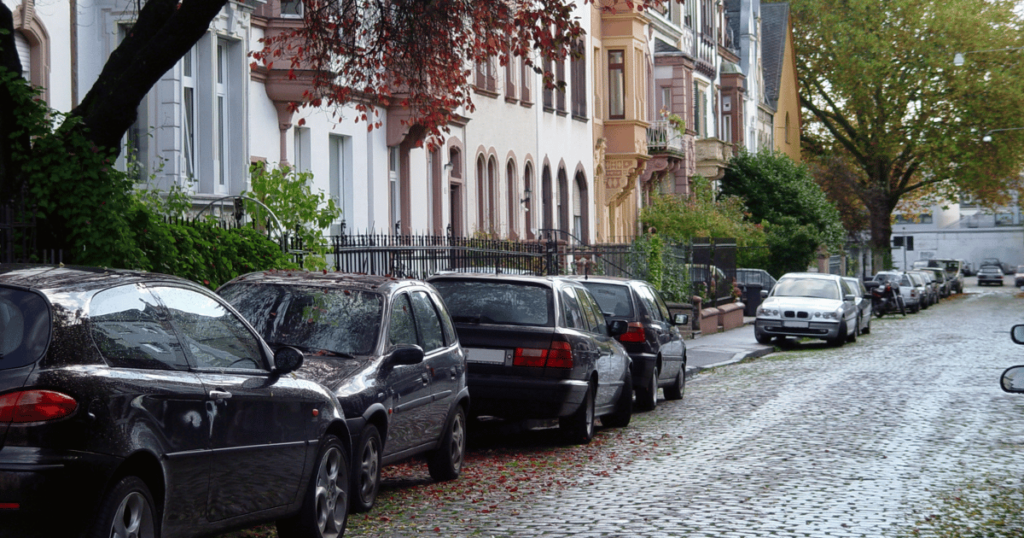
{"type": "Point", "coordinates": [167, 410]}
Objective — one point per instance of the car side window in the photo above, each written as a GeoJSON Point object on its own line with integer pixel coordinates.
{"type": "Point", "coordinates": [131, 330]}
{"type": "Point", "coordinates": [649, 303]}
{"type": "Point", "coordinates": [427, 324]}
{"type": "Point", "coordinates": [571, 312]}
{"type": "Point", "coordinates": [592, 312]}
{"type": "Point", "coordinates": [659, 303]}
{"type": "Point", "coordinates": [446, 320]}
{"type": "Point", "coordinates": [213, 335]}
{"type": "Point", "coordinates": [402, 328]}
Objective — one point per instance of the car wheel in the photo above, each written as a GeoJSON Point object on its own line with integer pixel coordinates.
{"type": "Point", "coordinates": [762, 338]}
{"type": "Point", "coordinates": [841, 337]}
{"type": "Point", "coordinates": [579, 427]}
{"type": "Point", "coordinates": [324, 511]}
{"type": "Point", "coordinates": [445, 462]}
{"type": "Point", "coordinates": [867, 328]}
{"type": "Point", "coordinates": [366, 471]}
{"type": "Point", "coordinates": [127, 512]}
{"type": "Point", "coordinates": [647, 399]}
{"type": "Point", "coordinates": [678, 387]}
{"type": "Point", "coordinates": [624, 409]}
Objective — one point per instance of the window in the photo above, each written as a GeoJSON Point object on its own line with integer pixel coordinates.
{"type": "Point", "coordinates": [513, 195]}
{"type": "Point", "coordinates": [510, 79]}
{"type": "Point", "coordinates": [578, 69]}
{"type": "Point", "coordinates": [136, 139]}
{"type": "Point", "coordinates": [220, 155]}
{"type": "Point", "coordinates": [572, 317]}
{"type": "Point", "coordinates": [592, 312]}
{"type": "Point", "coordinates": [340, 148]}
{"type": "Point", "coordinates": [131, 331]}
{"type": "Point", "coordinates": [302, 154]}
{"type": "Point", "coordinates": [486, 75]}
{"type": "Point", "coordinates": [525, 78]}
{"type": "Point", "coordinates": [560, 89]}
{"type": "Point", "coordinates": [613, 299]}
{"type": "Point", "coordinates": [402, 329]}
{"type": "Point", "coordinates": [292, 9]}
{"type": "Point", "coordinates": [727, 128]}
{"type": "Point", "coordinates": [787, 128]}
{"type": "Point", "coordinates": [665, 99]}
{"type": "Point", "coordinates": [427, 323]}
{"type": "Point", "coordinates": [394, 196]}
{"type": "Point", "coordinates": [549, 95]}
{"type": "Point", "coordinates": [616, 85]}
{"type": "Point", "coordinates": [188, 106]}
{"type": "Point", "coordinates": [211, 334]}
{"type": "Point", "coordinates": [503, 303]}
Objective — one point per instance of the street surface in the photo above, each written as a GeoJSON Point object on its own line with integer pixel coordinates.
{"type": "Point", "coordinates": [888, 436]}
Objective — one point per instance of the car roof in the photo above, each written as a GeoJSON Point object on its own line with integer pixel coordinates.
{"type": "Point", "coordinates": [525, 279]}
{"type": "Point", "coordinates": [326, 279]}
{"type": "Point", "coordinates": [822, 276]}
{"type": "Point", "coordinates": [602, 279]}
{"type": "Point", "coordinates": [53, 278]}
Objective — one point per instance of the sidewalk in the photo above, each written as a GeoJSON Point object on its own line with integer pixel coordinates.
{"type": "Point", "coordinates": [717, 349]}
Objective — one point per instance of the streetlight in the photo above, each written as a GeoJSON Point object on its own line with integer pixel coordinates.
{"type": "Point", "coordinates": [958, 58]}
{"type": "Point", "coordinates": [988, 134]}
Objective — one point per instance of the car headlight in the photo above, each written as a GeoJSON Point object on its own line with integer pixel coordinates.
{"type": "Point", "coordinates": [762, 311]}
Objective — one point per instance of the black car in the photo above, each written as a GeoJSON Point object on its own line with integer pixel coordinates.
{"type": "Point", "coordinates": [990, 274]}
{"type": "Point", "coordinates": [386, 348]}
{"type": "Point", "coordinates": [652, 339]}
{"type": "Point", "coordinates": [143, 405]}
{"type": "Point", "coordinates": [539, 348]}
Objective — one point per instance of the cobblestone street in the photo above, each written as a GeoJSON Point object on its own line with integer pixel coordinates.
{"type": "Point", "coordinates": [813, 441]}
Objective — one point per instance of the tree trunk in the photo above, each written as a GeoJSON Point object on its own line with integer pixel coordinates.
{"type": "Point", "coordinates": [880, 216]}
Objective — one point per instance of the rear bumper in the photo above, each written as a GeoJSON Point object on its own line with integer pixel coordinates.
{"type": "Point", "coordinates": [521, 398]}
{"type": "Point", "coordinates": [35, 482]}
{"type": "Point", "coordinates": [814, 329]}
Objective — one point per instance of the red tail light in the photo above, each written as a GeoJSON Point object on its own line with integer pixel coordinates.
{"type": "Point", "coordinates": [558, 356]}
{"type": "Point", "coordinates": [634, 334]}
{"type": "Point", "coordinates": [35, 406]}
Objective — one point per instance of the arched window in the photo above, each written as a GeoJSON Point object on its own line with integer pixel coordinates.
{"type": "Point", "coordinates": [32, 42]}
{"type": "Point", "coordinates": [545, 198]}
{"type": "Point", "coordinates": [455, 191]}
{"type": "Point", "coordinates": [787, 127]}
{"type": "Point", "coordinates": [563, 201]}
{"type": "Point", "coordinates": [481, 193]}
{"type": "Point", "coordinates": [529, 193]}
{"type": "Point", "coordinates": [492, 195]}
{"type": "Point", "coordinates": [581, 209]}
{"type": "Point", "coordinates": [513, 198]}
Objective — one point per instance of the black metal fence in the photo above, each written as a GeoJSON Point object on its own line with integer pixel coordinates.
{"type": "Point", "coordinates": [18, 236]}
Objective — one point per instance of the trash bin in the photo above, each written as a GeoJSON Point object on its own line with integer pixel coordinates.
{"type": "Point", "coordinates": [751, 299]}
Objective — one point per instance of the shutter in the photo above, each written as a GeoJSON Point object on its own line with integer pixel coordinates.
{"type": "Point", "coordinates": [24, 54]}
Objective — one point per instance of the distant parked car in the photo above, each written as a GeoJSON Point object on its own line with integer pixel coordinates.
{"type": "Point", "coordinates": [388, 351]}
{"type": "Point", "coordinates": [954, 273]}
{"type": "Point", "coordinates": [911, 294]}
{"type": "Point", "coordinates": [156, 410]}
{"type": "Point", "coordinates": [931, 287]}
{"type": "Point", "coordinates": [652, 340]}
{"type": "Point", "coordinates": [863, 302]}
{"type": "Point", "coordinates": [813, 305]}
{"type": "Point", "coordinates": [540, 348]}
{"type": "Point", "coordinates": [944, 285]}
{"type": "Point", "coordinates": [990, 274]}
{"type": "Point", "coordinates": [924, 289]}
{"type": "Point", "coordinates": [1005, 267]}
{"type": "Point", "coordinates": [1018, 277]}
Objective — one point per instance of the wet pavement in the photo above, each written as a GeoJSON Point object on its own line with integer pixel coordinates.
{"type": "Point", "coordinates": [868, 439]}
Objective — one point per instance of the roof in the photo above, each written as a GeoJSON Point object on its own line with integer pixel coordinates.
{"type": "Point", "coordinates": [324, 279]}
{"type": "Point", "coordinates": [661, 47]}
{"type": "Point", "coordinates": [74, 278]}
{"type": "Point", "coordinates": [823, 276]}
{"type": "Point", "coordinates": [774, 28]}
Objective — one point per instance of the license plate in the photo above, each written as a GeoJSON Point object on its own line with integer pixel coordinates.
{"type": "Point", "coordinates": [491, 356]}
{"type": "Point", "coordinates": [796, 324]}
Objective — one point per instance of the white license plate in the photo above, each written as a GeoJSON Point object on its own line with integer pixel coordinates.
{"type": "Point", "coordinates": [492, 356]}
{"type": "Point", "coordinates": [796, 324]}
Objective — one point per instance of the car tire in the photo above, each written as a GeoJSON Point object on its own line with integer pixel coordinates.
{"type": "Point", "coordinates": [445, 462]}
{"type": "Point", "coordinates": [647, 399]}
{"type": "Point", "coordinates": [762, 338]}
{"type": "Point", "coordinates": [840, 338]}
{"type": "Point", "coordinates": [676, 390]}
{"type": "Point", "coordinates": [128, 510]}
{"type": "Point", "coordinates": [366, 469]}
{"type": "Point", "coordinates": [324, 511]}
{"type": "Point", "coordinates": [578, 428]}
{"type": "Point", "coordinates": [624, 409]}
{"type": "Point", "coordinates": [867, 328]}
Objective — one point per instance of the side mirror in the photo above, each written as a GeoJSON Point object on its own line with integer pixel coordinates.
{"type": "Point", "coordinates": [849, 297]}
{"type": "Point", "coordinates": [617, 327]}
{"type": "Point", "coordinates": [1017, 334]}
{"type": "Point", "coordinates": [286, 360]}
{"type": "Point", "coordinates": [680, 319]}
{"type": "Point", "coordinates": [406, 355]}
{"type": "Point", "coordinates": [764, 294]}
{"type": "Point", "coordinates": [1012, 379]}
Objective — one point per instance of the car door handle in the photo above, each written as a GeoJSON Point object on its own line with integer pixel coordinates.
{"type": "Point", "coordinates": [219, 394]}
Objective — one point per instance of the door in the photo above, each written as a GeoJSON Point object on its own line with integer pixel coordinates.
{"type": "Point", "coordinates": [258, 425]}
{"type": "Point", "coordinates": [443, 364]}
{"type": "Point", "coordinates": [670, 342]}
{"type": "Point", "coordinates": [408, 384]}
{"type": "Point", "coordinates": [611, 357]}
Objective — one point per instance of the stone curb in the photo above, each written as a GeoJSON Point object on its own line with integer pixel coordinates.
{"type": "Point", "coordinates": [738, 357]}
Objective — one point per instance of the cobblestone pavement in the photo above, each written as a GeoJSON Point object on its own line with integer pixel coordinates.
{"type": "Point", "coordinates": [855, 441]}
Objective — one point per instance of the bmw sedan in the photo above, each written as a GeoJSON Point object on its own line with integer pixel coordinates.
{"type": "Point", "coordinates": [812, 305]}
{"type": "Point", "coordinates": [142, 405]}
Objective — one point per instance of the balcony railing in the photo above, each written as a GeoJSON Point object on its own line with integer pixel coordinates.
{"type": "Point", "coordinates": [662, 136]}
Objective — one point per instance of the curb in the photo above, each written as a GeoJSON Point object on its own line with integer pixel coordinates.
{"type": "Point", "coordinates": [738, 357]}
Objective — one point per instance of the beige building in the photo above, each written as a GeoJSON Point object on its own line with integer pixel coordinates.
{"type": "Point", "coordinates": [780, 77]}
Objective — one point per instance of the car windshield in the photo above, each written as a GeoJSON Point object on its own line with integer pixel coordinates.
{"type": "Point", "coordinates": [24, 327]}
{"type": "Point", "coordinates": [806, 287]}
{"type": "Point", "coordinates": [340, 321]}
{"type": "Point", "coordinates": [612, 298]}
{"type": "Point", "coordinates": [504, 303]}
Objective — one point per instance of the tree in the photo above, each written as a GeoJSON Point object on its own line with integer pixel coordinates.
{"type": "Point", "coordinates": [781, 195]}
{"type": "Point", "coordinates": [879, 82]}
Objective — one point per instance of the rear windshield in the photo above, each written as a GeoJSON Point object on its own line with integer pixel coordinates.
{"type": "Point", "coordinates": [502, 303]}
{"type": "Point", "coordinates": [24, 328]}
{"type": "Point", "coordinates": [612, 298]}
{"type": "Point", "coordinates": [806, 287]}
{"type": "Point", "coordinates": [311, 317]}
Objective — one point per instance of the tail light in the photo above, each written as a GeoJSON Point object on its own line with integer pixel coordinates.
{"type": "Point", "coordinates": [635, 333]}
{"type": "Point", "coordinates": [559, 355]}
{"type": "Point", "coordinates": [35, 406]}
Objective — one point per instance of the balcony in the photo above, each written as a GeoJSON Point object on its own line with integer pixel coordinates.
{"type": "Point", "coordinates": [663, 137]}
{"type": "Point", "coordinates": [713, 157]}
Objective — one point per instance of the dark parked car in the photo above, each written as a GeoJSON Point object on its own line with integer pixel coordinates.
{"type": "Point", "coordinates": [652, 340]}
{"type": "Point", "coordinates": [385, 347]}
{"type": "Point", "coordinates": [539, 348]}
{"type": "Point", "coordinates": [144, 406]}
{"type": "Point", "coordinates": [1018, 277]}
{"type": "Point", "coordinates": [990, 274]}
{"type": "Point", "coordinates": [1005, 267]}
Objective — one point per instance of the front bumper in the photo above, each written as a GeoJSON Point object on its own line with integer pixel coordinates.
{"type": "Point", "coordinates": [814, 329]}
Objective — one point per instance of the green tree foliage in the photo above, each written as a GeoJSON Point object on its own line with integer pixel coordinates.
{"type": "Point", "coordinates": [879, 81]}
{"type": "Point", "coordinates": [782, 195]}
{"type": "Point", "coordinates": [301, 212]}
{"type": "Point", "coordinates": [700, 215]}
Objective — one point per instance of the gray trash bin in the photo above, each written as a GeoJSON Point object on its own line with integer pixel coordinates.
{"type": "Point", "coordinates": [751, 299]}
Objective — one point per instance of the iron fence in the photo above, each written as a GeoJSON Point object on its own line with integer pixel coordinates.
{"type": "Point", "coordinates": [18, 243]}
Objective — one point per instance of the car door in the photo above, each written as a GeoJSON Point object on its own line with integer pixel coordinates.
{"type": "Point", "coordinates": [669, 343]}
{"type": "Point", "coordinates": [611, 360]}
{"type": "Point", "coordinates": [158, 397]}
{"type": "Point", "coordinates": [259, 425]}
{"type": "Point", "coordinates": [441, 362]}
{"type": "Point", "coordinates": [407, 384]}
